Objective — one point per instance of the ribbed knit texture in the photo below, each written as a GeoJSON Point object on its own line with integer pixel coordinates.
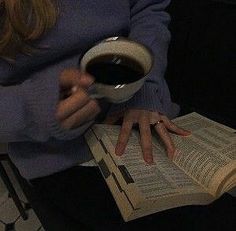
{"type": "Point", "coordinates": [29, 93]}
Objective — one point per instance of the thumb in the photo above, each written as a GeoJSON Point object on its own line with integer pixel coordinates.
{"type": "Point", "coordinates": [72, 77]}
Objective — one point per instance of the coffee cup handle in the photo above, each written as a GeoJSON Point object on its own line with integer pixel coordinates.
{"type": "Point", "coordinates": [93, 92]}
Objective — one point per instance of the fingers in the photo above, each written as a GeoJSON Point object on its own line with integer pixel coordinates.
{"type": "Point", "coordinates": [72, 79]}
{"type": "Point", "coordinates": [146, 139]}
{"type": "Point", "coordinates": [164, 135]}
{"type": "Point", "coordinates": [145, 119]}
{"type": "Point", "coordinates": [71, 104]}
{"type": "Point", "coordinates": [123, 137]}
{"type": "Point", "coordinates": [75, 106]}
{"type": "Point", "coordinates": [85, 114]}
{"type": "Point", "coordinates": [174, 128]}
{"type": "Point", "coordinates": [163, 131]}
{"type": "Point", "coordinates": [145, 134]}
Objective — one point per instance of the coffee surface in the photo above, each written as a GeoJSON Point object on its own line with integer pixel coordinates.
{"type": "Point", "coordinates": [114, 70]}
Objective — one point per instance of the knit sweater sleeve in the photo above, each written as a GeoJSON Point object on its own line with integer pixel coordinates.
{"type": "Point", "coordinates": [27, 110]}
{"type": "Point", "coordinates": [149, 26]}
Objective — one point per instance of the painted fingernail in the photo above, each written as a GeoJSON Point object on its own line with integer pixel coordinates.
{"type": "Point", "coordinates": [187, 133]}
{"type": "Point", "coordinates": [74, 89]}
{"type": "Point", "coordinates": [149, 160]}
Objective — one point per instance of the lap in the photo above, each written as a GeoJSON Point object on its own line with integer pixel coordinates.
{"type": "Point", "coordinates": [81, 200]}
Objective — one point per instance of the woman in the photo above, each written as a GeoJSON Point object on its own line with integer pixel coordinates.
{"type": "Point", "coordinates": [40, 45]}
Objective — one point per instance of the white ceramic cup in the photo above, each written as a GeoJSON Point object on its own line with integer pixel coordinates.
{"type": "Point", "coordinates": [118, 46]}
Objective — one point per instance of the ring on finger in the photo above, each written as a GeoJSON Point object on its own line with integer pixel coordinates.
{"type": "Point", "coordinates": [157, 123]}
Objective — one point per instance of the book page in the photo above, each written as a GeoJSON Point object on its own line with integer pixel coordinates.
{"type": "Point", "coordinates": [140, 189]}
{"type": "Point", "coordinates": [163, 178]}
{"type": "Point", "coordinates": [209, 154]}
{"type": "Point", "coordinates": [231, 183]}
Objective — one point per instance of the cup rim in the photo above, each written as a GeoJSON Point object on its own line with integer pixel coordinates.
{"type": "Point", "coordinates": [123, 39]}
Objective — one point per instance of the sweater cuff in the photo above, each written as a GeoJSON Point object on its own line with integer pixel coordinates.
{"type": "Point", "coordinates": [147, 98]}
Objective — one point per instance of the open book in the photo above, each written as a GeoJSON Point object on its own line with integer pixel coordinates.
{"type": "Point", "coordinates": [203, 168]}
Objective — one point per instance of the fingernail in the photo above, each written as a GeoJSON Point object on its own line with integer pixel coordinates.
{"type": "Point", "coordinates": [74, 89]}
{"type": "Point", "coordinates": [149, 160]}
{"type": "Point", "coordinates": [187, 133]}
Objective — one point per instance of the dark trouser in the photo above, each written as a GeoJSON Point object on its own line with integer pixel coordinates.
{"type": "Point", "coordinates": [78, 199]}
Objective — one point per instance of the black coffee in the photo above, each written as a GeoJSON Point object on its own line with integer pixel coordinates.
{"type": "Point", "coordinates": [114, 70]}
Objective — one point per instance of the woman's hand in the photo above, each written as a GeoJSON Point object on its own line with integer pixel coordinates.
{"type": "Point", "coordinates": [75, 106]}
{"type": "Point", "coordinates": [145, 119]}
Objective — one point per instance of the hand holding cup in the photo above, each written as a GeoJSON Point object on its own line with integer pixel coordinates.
{"type": "Point", "coordinates": [119, 67]}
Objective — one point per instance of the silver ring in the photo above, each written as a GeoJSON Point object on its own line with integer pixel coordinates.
{"type": "Point", "coordinates": [157, 123]}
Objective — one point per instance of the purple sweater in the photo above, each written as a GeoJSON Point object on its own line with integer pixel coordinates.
{"type": "Point", "coordinates": [29, 90]}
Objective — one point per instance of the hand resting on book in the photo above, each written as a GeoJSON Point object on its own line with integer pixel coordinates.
{"type": "Point", "coordinates": [145, 120]}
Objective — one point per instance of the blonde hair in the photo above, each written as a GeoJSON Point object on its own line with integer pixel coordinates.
{"type": "Point", "coordinates": [21, 22]}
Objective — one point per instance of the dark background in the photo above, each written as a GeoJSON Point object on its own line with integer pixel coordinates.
{"type": "Point", "coordinates": [202, 57]}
